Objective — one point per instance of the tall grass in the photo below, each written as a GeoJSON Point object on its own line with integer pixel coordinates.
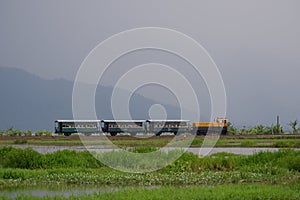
{"type": "Point", "coordinates": [26, 166]}
{"type": "Point", "coordinates": [29, 159]}
{"type": "Point", "coordinates": [188, 162]}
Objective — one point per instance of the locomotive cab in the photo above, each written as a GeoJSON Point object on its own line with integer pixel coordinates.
{"type": "Point", "coordinates": [222, 120]}
{"type": "Point", "coordinates": [203, 128]}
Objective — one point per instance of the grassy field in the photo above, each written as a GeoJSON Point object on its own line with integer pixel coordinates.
{"type": "Point", "coordinates": [125, 141]}
{"type": "Point", "coordinates": [26, 166]}
{"type": "Point", "coordinates": [264, 175]}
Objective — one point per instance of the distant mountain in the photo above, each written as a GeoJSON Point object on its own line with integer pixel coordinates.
{"type": "Point", "coordinates": [29, 102]}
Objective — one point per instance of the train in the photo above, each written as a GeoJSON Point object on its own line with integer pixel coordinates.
{"type": "Point", "coordinates": [133, 127]}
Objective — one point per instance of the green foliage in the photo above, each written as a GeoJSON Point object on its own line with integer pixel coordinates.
{"type": "Point", "coordinates": [138, 162]}
{"type": "Point", "coordinates": [225, 191]}
{"type": "Point", "coordinates": [231, 130]}
{"type": "Point", "coordinates": [278, 159]}
{"type": "Point", "coordinates": [197, 142]}
{"type": "Point", "coordinates": [72, 167]}
{"type": "Point", "coordinates": [20, 142]}
{"type": "Point", "coordinates": [143, 149]}
{"type": "Point", "coordinates": [264, 130]}
{"type": "Point", "coordinates": [4, 151]}
{"type": "Point", "coordinates": [259, 129]}
{"type": "Point", "coordinates": [255, 130]}
{"type": "Point", "coordinates": [22, 158]}
{"type": "Point", "coordinates": [247, 143]}
{"type": "Point", "coordinates": [15, 132]}
{"type": "Point", "coordinates": [276, 129]}
{"type": "Point", "coordinates": [30, 159]}
{"type": "Point", "coordinates": [70, 159]}
{"type": "Point", "coordinates": [294, 124]}
{"type": "Point", "coordinates": [43, 133]}
{"type": "Point", "coordinates": [28, 133]}
{"type": "Point", "coordinates": [280, 144]}
{"type": "Point", "coordinates": [291, 162]}
{"type": "Point", "coordinates": [187, 162]}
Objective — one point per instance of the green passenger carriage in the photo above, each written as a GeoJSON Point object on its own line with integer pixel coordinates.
{"type": "Point", "coordinates": [168, 126]}
{"type": "Point", "coordinates": [67, 127]}
{"type": "Point", "coordinates": [157, 127]}
{"type": "Point", "coordinates": [113, 127]}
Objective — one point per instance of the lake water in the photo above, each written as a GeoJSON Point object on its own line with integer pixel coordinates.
{"type": "Point", "coordinates": [199, 151]}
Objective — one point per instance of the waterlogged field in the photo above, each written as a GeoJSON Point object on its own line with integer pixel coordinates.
{"type": "Point", "coordinates": [242, 191]}
{"type": "Point", "coordinates": [264, 175]}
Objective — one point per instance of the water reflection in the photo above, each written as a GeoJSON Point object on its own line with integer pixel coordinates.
{"type": "Point", "coordinates": [56, 190]}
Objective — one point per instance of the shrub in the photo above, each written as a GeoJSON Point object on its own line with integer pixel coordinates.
{"type": "Point", "coordinates": [292, 162]}
{"type": "Point", "coordinates": [261, 162]}
{"type": "Point", "coordinates": [22, 158]}
{"type": "Point", "coordinates": [30, 159]}
{"type": "Point", "coordinates": [43, 132]}
{"type": "Point", "coordinates": [143, 149]}
{"type": "Point", "coordinates": [69, 159]}
{"type": "Point", "coordinates": [13, 132]}
{"type": "Point", "coordinates": [3, 152]}
{"type": "Point", "coordinates": [28, 133]}
{"type": "Point", "coordinates": [20, 142]}
{"type": "Point", "coordinates": [187, 162]}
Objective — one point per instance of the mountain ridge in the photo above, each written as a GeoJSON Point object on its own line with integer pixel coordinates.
{"type": "Point", "coordinates": [29, 102]}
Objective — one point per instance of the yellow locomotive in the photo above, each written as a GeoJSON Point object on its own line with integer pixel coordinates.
{"type": "Point", "coordinates": [203, 128]}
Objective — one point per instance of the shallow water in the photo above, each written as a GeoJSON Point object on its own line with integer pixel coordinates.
{"type": "Point", "coordinates": [56, 190]}
{"type": "Point", "coordinates": [199, 151]}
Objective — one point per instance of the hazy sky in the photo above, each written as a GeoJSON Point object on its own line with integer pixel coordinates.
{"type": "Point", "coordinates": [255, 43]}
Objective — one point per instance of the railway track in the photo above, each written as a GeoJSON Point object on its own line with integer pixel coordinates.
{"type": "Point", "coordinates": [127, 137]}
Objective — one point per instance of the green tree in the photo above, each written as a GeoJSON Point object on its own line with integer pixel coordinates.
{"type": "Point", "coordinates": [294, 124]}
{"type": "Point", "coordinates": [276, 129]}
{"type": "Point", "coordinates": [243, 131]}
{"type": "Point", "coordinates": [28, 133]}
{"type": "Point", "coordinates": [13, 132]}
{"type": "Point", "coordinates": [43, 132]}
{"type": "Point", "coordinates": [231, 129]}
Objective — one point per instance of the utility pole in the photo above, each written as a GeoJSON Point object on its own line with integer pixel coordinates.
{"type": "Point", "coordinates": [278, 124]}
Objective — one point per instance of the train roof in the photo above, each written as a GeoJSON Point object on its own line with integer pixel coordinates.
{"type": "Point", "coordinates": [123, 121]}
{"type": "Point", "coordinates": [110, 120]}
{"type": "Point", "coordinates": [65, 120]}
{"type": "Point", "coordinates": [167, 120]}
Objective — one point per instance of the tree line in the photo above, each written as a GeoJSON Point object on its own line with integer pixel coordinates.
{"type": "Point", "coordinates": [263, 130]}
{"type": "Point", "coordinates": [15, 132]}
